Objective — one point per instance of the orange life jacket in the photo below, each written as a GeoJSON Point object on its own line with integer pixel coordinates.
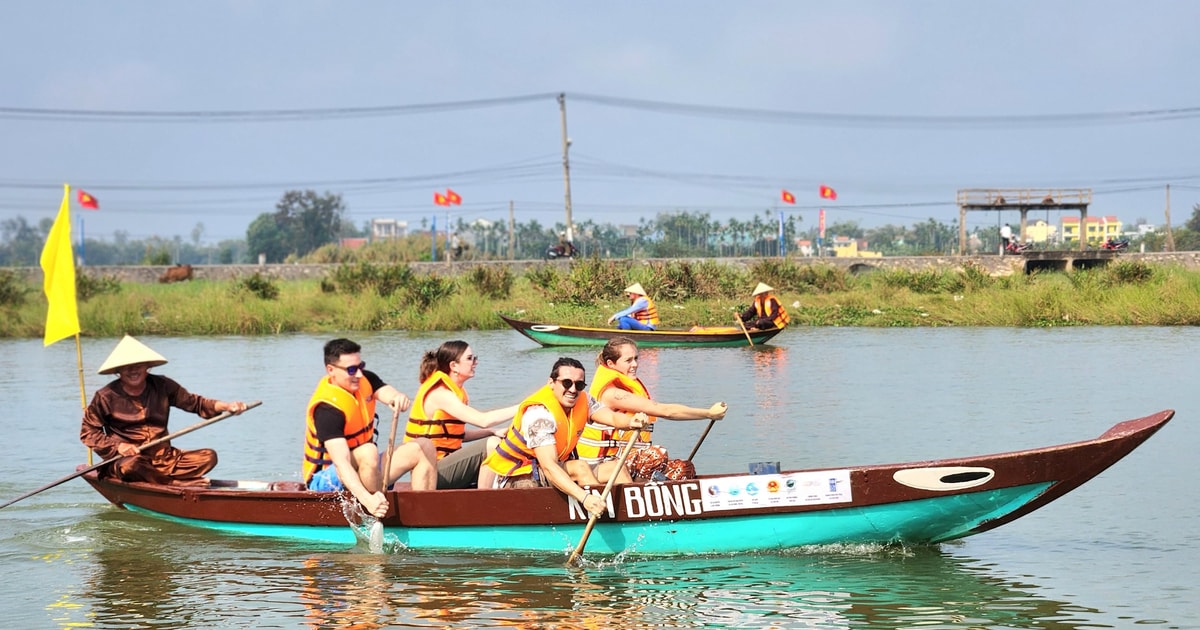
{"type": "Point", "coordinates": [513, 457]}
{"type": "Point", "coordinates": [762, 304]}
{"type": "Point", "coordinates": [648, 315]}
{"type": "Point", "coordinates": [359, 409]}
{"type": "Point", "coordinates": [445, 431]}
{"type": "Point", "coordinates": [600, 441]}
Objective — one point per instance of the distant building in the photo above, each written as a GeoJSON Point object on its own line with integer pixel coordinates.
{"type": "Point", "coordinates": [846, 247]}
{"type": "Point", "coordinates": [1039, 231]}
{"type": "Point", "coordinates": [352, 243]}
{"type": "Point", "coordinates": [1097, 229]}
{"type": "Point", "coordinates": [387, 229]}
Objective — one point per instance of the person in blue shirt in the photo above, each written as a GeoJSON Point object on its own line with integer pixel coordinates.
{"type": "Point", "coordinates": [642, 314]}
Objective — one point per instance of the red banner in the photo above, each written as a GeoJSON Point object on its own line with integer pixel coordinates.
{"type": "Point", "coordinates": [87, 201]}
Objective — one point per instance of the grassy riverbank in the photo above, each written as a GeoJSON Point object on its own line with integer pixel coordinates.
{"type": "Point", "coordinates": [367, 297]}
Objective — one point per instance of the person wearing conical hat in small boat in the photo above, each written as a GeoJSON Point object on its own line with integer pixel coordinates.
{"type": "Point", "coordinates": [765, 312]}
{"type": "Point", "coordinates": [133, 410]}
{"type": "Point", "coordinates": [617, 386]}
{"type": "Point", "coordinates": [539, 448]}
{"type": "Point", "coordinates": [642, 314]}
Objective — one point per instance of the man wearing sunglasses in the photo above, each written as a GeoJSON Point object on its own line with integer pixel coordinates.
{"type": "Point", "coordinates": [539, 447]}
{"type": "Point", "coordinates": [339, 444]}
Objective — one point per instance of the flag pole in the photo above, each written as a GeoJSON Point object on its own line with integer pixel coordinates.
{"type": "Point", "coordinates": [82, 390]}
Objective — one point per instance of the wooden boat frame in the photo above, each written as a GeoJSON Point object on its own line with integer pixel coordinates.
{"type": "Point", "coordinates": [914, 503]}
{"type": "Point", "coordinates": [556, 335]}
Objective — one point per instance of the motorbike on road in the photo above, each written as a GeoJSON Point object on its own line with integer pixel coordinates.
{"type": "Point", "coordinates": [1115, 244]}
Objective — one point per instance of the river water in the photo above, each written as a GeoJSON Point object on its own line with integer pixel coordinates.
{"type": "Point", "coordinates": [1119, 551]}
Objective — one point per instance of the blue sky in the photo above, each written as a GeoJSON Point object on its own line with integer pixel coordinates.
{"type": "Point", "coordinates": [934, 95]}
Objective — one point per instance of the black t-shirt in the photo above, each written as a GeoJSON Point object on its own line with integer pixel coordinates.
{"type": "Point", "coordinates": [330, 422]}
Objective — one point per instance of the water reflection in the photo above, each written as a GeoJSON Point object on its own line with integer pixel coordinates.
{"type": "Point", "coordinates": [840, 589]}
{"type": "Point", "coordinates": [344, 591]}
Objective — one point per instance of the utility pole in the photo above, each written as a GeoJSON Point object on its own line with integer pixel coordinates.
{"type": "Point", "coordinates": [1170, 241]}
{"type": "Point", "coordinates": [566, 145]}
{"type": "Point", "coordinates": [512, 247]}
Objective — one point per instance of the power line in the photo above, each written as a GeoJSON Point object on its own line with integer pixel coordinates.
{"type": "Point", "coordinates": [772, 116]}
{"type": "Point", "coordinates": [258, 116]}
{"type": "Point", "coordinates": [827, 119]}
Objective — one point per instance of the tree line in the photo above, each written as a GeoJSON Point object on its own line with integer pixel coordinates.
{"type": "Point", "coordinates": [307, 226]}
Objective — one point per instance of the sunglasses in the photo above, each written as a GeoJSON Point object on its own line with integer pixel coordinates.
{"type": "Point", "coordinates": [353, 370]}
{"type": "Point", "coordinates": [567, 383]}
{"type": "Point", "coordinates": [473, 358]}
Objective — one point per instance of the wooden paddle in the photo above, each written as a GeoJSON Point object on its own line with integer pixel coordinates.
{"type": "Point", "coordinates": [587, 531]}
{"type": "Point", "coordinates": [150, 444]}
{"type": "Point", "coordinates": [744, 332]}
{"type": "Point", "coordinates": [701, 440]}
{"type": "Point", "coordinates": [376, 540]}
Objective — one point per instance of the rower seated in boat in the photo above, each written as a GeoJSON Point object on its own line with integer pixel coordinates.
{"type": "Point", "coordinates": [617, 386]}
{"type": "Point", "coordinates": [133, 410]}
{"type": "Point", "coordinates": [339, 443]}
{"type": "Point", "coordinates": [766, 312]}
{"type": "Point", "coordinates": [539, 447]}
{"type": "Point", "coordinates": [441, 412]}
{"type": "Point", "coordinates": [642, 313]}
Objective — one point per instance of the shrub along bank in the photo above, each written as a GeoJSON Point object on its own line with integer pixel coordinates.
{"type": "Point", "coordinates": [369, 296]}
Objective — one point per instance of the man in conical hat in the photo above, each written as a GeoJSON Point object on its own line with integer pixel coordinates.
{"type": "Point", "coordinates": [133, 410]}
{"type": "Point", "coordinates": [642, 314]}
{"type": "Point", "coordinates": [765, 312]}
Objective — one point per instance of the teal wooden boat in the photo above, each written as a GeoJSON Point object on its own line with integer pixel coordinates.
{"type": "Point", "coordinates": [917, 503]}
{"type": "Point", "coordinates": [710, 337]}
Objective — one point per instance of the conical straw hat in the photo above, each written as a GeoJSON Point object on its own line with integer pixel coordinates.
{"type": "Point", "coordinates": [636, 287]}
{"type": "Point", "coordinates": [762, 288]}
{"type": "Point", "coordinates": [129, 352]}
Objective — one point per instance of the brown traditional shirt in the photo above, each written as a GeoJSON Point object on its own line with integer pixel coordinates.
{"type": "Point", "coordinates": [114, 416]}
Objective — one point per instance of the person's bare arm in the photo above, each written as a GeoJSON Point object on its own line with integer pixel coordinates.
{"type": "Point", "coordinates": [444, 399]}
{"type": "Point", "coordinates": [617, 398]}
{"type": "Point", "coordinates": [547, 459]}
{"type": "Point", "coordinates": [619, 420]}
{"type": "Point", "coordinates": [393, 398]}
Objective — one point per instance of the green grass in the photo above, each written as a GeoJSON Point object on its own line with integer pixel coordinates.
{"type": "Point", "coordinates": [386, 297]}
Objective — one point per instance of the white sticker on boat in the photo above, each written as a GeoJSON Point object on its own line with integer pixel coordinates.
{"type": "Point", "coordinates": [756, 491]}
{"type": "Point", "coordinates": [944, 478]}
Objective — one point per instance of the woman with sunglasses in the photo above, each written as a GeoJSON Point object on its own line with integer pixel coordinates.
{"type": "Point", "coordinates": [539, 447]}
{"type": "Point", "coordinates": [441, 412]}
{"type": "Point", "coordinates": [617, 386]}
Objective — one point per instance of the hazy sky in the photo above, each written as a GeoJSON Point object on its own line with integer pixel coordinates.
{"type": "Point", "coordinates": [704, 106]}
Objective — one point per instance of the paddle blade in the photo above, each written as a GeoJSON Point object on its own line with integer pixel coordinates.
{"type": "Point", "coordinates": [375, 541]}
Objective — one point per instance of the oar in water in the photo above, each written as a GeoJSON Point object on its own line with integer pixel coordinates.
{"type": "Point", "coordinates": [375, 543]}
{"type": "Point", "coordinates": [587, 531]}
{"type": "Point", "coordinates": [143, 447]}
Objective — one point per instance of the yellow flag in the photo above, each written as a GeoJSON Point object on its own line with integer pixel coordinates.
{"type": "Point", "coordinates": [58, 266]}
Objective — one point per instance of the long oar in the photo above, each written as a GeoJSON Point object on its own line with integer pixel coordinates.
{"type": "Point", "coordinates": [194, 427]}
{"type": "Point", "coordinates": [701, 440]}
{"type": "Point", "coordinates": [744, 332]}
{"type": "Point", "coordinates": [587, 531]}
{"type": "Point", "coordinates": [376, 541]}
